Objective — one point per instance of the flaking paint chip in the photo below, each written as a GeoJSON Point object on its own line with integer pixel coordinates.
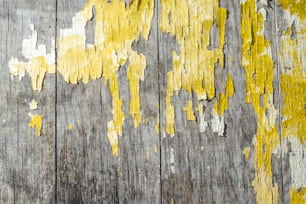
{"type": "Point", "coordinates": [33, 105]}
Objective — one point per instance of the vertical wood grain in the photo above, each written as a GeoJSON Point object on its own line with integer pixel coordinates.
{"type": "Point", "coordinates": [88, 172]}
{"type": "Point", "coordinates": [27, 167]}
{"type": "Point", "coordinates": [73, 161]}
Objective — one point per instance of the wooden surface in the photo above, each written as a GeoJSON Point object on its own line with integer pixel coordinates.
{"type": "Point", "coordinates": [27, 162]}
{"type": "Point", "coordinates": [240, 143]}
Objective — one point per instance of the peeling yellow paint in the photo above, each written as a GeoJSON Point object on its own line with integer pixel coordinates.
{"type": "Point", "coordinates": [222, 104]}
{"type": "Point", "coordinates": [297, 196]}
{"type": "Point", "coordinates": [258, 67]}
{"type": "Point", "coordinates": [293, 78]}
{"type": "Point", "coordinates": [293, 88]}
{"type": "Point", "coordinates": [157, 125]}
{"type": "Point", "coordinates": [155, 149]}
{"type": "Point", "coordinates": [189, 111]}
{"type": "Point", "coordinates": [117, 26]}
{"type": "Point", "coordinates": [246, 152]}
{"type": "Point", "coordinates": [193, 66]}
{"type": "Point", "coordinates": [36, 122]}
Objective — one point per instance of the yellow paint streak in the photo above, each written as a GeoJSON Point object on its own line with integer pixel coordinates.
{"type": "Point", "coordinates": [36, 122]}
{"type": "Point", "coordinates": [258, 67]}
{"type": "Point", "coordinates": [189, 111]}
{"type": "Point", "coordinates": [157, 125]}
{"type": "Point", "coordinates": [115, 32]}
{"type": "Point", "coordinates": [155, 149]}
{"type": "Point", "coordinates": [222, 104]}
{"type": "Point", "coordinates": [297, 196]}
{"type": "Point", "coordinates": [148, 155]}
{"type": "Point", "coordinates": [246, 152]}
{"type": "Point", "coordinates": [191, 21]}
{"type": "Point", "coordinates": [117, 26]}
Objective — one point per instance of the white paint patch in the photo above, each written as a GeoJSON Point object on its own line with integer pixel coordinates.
{"type": "Point", "coordinates": [297, 159]}
{"type": "Point", "coordinates": [163, 134]}
{"type": "Point", "coordinates": [78, 22]}
{"type": "Point", "coordinates": [30, 50]}
{"type": "Point", "coordinates": [203, 123]}
{"type": "Point", "coordinates": [271, 114]}
{"type": "Point", "coordinates": [172, 161]}
{"type": "Point", "coordinates": [33, 105]}
{"type": "Point", "coordinates": [217, 123]}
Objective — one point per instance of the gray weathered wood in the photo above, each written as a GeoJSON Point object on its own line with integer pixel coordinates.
{"type": "Point", "coordinates": [27, 167]}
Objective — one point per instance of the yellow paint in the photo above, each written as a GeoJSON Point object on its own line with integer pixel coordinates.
{"type": "Point", "coordinates": [157, 125]}
{"type": "Point", "coordinates": [258, 67]}
{"type": "Point", "coordinates": [38, 62]}
{"type": "Point", "coordinates": [37, 68]}
{"type": "Point", "coordinates": [155, 149]}
{"type": "Point", "coordinates": [36, 122]}
{"type": "Point", "coordinates": [293, 88]}
{"type": "Point", "coordinates": [293, 80]}
{"type": "Point", "coordinates": [70, 126]}
{"type": "Point", "coordinates": [117, 27]}
{"type": "Point", "coordinates": [231, 61]}
{"type": "Point", "coordinates": [297, 196]}
{"type": "Point", "coordinates": [114, 34]}
{"type": "Point", "coordinates": [295, 7]}
{"type": "Point", "coordinates": [246, 152]}
{"type": "Point", "coordinates": [190, 21]}
{"type": "Point", "coordinates": [148, 155]}
{"type": "Point", "coordinates": [189, 111]}
{"type": "Point", "coordinates": [33, 105]}
{"type": "Point", "coordinates": [293, 83]}
{"type": "Point", "coordinates": [222, 104]}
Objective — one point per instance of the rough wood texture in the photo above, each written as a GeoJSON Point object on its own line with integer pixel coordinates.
{"type": "Point", "coordinates": [88, 172]}
{"type": "Point", "coordinates": [27, 165]}
{"type": "Point", "coordinates": [204, 167]}
{"type": "Point", "coordinates": [142, 101]}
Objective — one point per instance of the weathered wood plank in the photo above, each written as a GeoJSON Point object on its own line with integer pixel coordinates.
{"type": "Point", "coordinates": [290, 25]}
{"type": "Point", "coordinates": [152, 101]}
{"type": "Point", "coordinates": [236, 167]}
{"type": "Point", "coordinates": [90, 168]}
{"type": "Point", "coordinates": [27, 167]}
